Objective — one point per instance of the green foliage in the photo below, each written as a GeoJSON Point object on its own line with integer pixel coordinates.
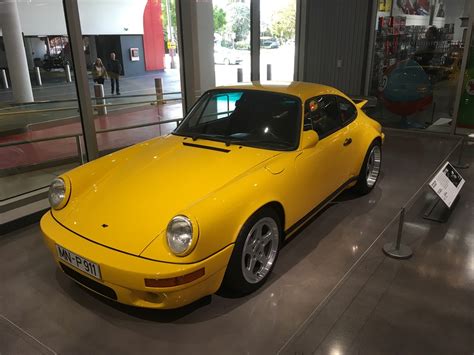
{"type": "Point", "coordinates": [242, 45]}
{"type": "Point", "coordinates": [220, 20]}
{"type": "Point", "coordinates": [283, 23]}
{"type": "Point", "coordinates": [172, 11]}
{"type": "Point", "coordinates": [239, 20]}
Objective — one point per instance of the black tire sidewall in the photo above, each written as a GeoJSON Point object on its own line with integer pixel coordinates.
{"type": "Point", "coordinates": [234, 280]}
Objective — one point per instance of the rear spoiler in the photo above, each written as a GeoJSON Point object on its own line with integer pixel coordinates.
{"type": "Point", "coordinates": [365, 101]}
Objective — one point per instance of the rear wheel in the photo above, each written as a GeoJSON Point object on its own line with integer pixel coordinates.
{"type": "Point", "coordinates": [255, 253]}
{"type": "Point", "coordinates": [370, 170]}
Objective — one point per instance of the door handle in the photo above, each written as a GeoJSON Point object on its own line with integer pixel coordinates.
{"type": "Point", "coordinates": [347, 141]}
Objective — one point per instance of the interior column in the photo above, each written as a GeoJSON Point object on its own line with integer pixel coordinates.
{"type": "Point", "coordinates": [196, 48]}
{"type": "Point", "coordinates": [15, 52]}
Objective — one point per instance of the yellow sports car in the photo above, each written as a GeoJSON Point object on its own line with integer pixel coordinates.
{"type": "Point", "coordinates": [165, 222]}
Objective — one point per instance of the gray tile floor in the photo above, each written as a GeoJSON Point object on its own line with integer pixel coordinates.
{"type": "Point", "coordinates": [332, 292]}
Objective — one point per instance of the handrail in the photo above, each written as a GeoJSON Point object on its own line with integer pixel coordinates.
{"type": "Point", "coordinates": [77, 108]}
{"type": "Point", "coordinates": [12, 105]}
{"type": "Point", "coordinates": [9, 144]}
{"type": "Point", "coordinates": [177, 120]}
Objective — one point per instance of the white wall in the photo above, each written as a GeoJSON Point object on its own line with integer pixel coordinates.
{"type": "Point", "coordinates": [98, 17]}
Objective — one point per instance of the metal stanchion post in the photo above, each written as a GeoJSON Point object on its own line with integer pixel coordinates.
{"type": "Point", "coordinates": [99, 94]}
{"type": "Point", "coordinates": [80, 150]}
{"type": "Point", "coordinates": [459, 164]}
{"type": "Point", "coordinates": [240, 75]}
{"type": "Point", "coordinates": [4, 79]}
{"type": "Point", "coordinates": [38, 76]}
{"type": "Point", "coordinates": [398, 250]}
{"type": "Point", "coordinates": [269, 72]}
{"type": "Point", "coordinates": [159, 90]}
{"type": "Point", "coordinates": [67, 69]}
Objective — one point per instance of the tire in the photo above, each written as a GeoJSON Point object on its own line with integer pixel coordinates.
{"type": "Point", "coordinates": [239, 279]}
{"type": "Point", "coordinates": [370, 170]}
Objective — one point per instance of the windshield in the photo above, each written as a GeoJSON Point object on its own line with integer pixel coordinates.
{"type": "Point", "coordinates": [246, 117]}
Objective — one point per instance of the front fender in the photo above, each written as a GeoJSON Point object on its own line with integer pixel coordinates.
{"type": "Point", "coordinates": [220, 216]}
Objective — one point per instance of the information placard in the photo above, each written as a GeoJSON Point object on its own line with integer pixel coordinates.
{"type": "Point", "coordinates": [447, 184]}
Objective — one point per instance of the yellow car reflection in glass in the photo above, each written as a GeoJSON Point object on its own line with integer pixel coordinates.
{"type": "Point", "coordinates": [170, 220]}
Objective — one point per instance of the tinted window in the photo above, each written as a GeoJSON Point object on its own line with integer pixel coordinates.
{"type": "Point", "coordinates": [347, 110]}
{"type": "Point", "coordinates": [322, 114]}
{"type": "Point", "coordinates": [245, 117]}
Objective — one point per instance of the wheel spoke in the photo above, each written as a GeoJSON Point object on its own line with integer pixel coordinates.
{"type": "Point", "coordinates": [251, 264]}
{"type": "Point", "coordinates": [266, 238]}
{"type": "Point", "coordinates": [262, 259]}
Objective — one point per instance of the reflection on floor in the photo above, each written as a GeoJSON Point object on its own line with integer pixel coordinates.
{"type": "Point", "coordinates": [323, 296]}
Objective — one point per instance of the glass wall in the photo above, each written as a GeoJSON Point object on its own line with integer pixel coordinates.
{"type": "Point", "coordinates": [419, 45]}
{"type": "Point", "coordinates": [129, 61]}
{"type": "Point", "coordinates": [231, 41]}
{"type": "Point", "coordinates": [40, 128]}
{"type": "Point", "coordinates": [277, 39]}
{"type": "Point", "coordinates": [132, 67]}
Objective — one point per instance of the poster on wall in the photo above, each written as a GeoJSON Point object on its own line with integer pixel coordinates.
{"type": "Point", "coordinates": [134, 54]}
{"type": "Point", "coordinates": [385, 5]}
{"type": "Point", "coordinates": [417, 12]}
{"type": "Point", "coordinates": [447, 184]}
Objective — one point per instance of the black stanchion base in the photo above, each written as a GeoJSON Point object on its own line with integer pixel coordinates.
{"type": "Point", "coordinates": [403, 252]}
{"type": "Point", "coordinates": [438, 211]}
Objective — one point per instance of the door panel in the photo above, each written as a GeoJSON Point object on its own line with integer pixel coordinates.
{"type": "Point", "coordinates": [321, 170]}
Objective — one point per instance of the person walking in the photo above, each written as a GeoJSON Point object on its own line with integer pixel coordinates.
{"type": "Point", "coordinates": [114, 73]}
{"type": "Point", "coordinates": [99, 73]}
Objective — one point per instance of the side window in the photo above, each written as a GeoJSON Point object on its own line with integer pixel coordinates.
{"type": "Point", "coordinates": [322, 115]}
{"type": "Point", "coordinates": [347, 110]}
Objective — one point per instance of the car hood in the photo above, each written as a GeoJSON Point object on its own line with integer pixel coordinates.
{"type": "Point", "coordinates": [124, 200]}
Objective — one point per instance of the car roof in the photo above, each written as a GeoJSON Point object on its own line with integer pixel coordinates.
{"type": "Point", "coordinates": [303, 90]}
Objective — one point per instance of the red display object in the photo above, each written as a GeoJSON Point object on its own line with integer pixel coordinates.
{"type": "Point", "coordinates": [153, 36]}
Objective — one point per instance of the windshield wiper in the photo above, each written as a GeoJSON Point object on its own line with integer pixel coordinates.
{"type": "Point", "coordinates": [212, 137]}
{"type": "Point", "coordinates": [256, 141]}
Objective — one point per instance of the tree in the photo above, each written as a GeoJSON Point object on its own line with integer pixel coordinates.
{"type": "Point", "coordinates": [283, 22]}
{"type": "Point", "coordinates": [219, 19]}
{"type": "Point", "coordinates": [239, 20]}
{"type": "Point", "coordinates": [172, 12]}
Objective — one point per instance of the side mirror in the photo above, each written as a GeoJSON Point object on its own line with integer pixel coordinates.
{"type": "Point", "coordinates": [310, 139]}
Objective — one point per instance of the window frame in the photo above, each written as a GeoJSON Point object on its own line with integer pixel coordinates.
{"type": "Point", "coordinates": [348, 122]}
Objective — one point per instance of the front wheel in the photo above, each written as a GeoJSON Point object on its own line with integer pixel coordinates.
{"type": "Point", "coordinates": [370, 170]}
{"type": "Point", "coordinates": [255, 253]}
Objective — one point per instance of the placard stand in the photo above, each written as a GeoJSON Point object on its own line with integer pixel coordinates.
{"type": "Point", "coordinates": [438, 211]}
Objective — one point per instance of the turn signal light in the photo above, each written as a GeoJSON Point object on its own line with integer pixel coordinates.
{"type": "Point", "coordinates": [175, 281]}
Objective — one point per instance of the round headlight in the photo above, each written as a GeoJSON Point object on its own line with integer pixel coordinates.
{"type": "Point", "coordinates": [179, 235]}
{"type": "Point", "coordinates": [57, 193]}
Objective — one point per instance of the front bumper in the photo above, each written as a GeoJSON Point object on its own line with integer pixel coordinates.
{"type": "Point", "coordinates": [125, 274]}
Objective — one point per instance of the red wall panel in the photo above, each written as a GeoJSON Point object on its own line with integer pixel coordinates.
{"type": "Point", "coordinates": [153, 36]}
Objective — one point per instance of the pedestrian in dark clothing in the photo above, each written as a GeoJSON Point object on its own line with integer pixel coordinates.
{"type": "Point", "coordinates": [114, 73]}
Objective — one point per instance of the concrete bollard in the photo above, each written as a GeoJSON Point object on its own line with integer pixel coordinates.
{"type": "Point", "coordinates": [240, 75]}
{"type": "Point", "coordinates": [67, 69]}
{"type": "Point", "coordinates": [99, 94]}
{"type": "Point", "coordinates": [4, 79]}
{"type": "Point", "coordinates": [269, 72]}
{"type": "Point", "coordinates": [159, 90]}
{"type": "Point", "coordinates": [39, 82]}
